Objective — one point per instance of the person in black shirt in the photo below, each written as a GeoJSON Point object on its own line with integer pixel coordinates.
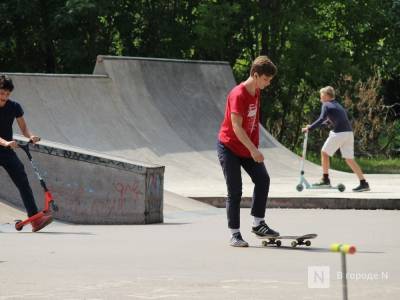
{"type": "Point", "coordinates": [10, 111]}
{"type": "Point", "coordinates": [341, 136]}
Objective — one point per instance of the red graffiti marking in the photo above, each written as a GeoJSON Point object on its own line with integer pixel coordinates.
{"type": "Point", "coordinates": [128, 191]}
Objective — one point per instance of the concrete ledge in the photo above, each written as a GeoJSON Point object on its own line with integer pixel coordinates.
{"type": "Point", "coordinates": [91, 188]}
{"type": "Point", "coordinates": [310, 202]}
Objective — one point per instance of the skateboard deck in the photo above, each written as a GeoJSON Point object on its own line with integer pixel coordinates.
{"type": "Point", "coordinates": [297, 240]}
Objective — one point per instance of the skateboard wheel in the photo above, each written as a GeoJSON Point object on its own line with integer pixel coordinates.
{"type": "Point", "coordinates": [308, 243]}
{"type": "Point", "coordinates": [18, 227]}
{"type": "Point", "coordinates": [299, 187]}
{"type": "Point", "coordinates": [264, 243]}
{"type": "Point", "coordinates": [341, 187]}
{"type": "Point", "coordinates": [278, 243]}
{"type": "Point", "coordinates": [293, 244]}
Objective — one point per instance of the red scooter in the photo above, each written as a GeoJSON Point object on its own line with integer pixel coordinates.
{"type": "Point", "coordinates": [49, 203]}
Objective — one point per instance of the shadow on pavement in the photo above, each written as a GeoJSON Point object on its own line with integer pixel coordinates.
{"type": "Point", "coordinates": [311, 249]}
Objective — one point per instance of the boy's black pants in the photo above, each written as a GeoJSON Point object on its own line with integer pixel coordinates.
{"type": "Point", "coordinates": [231, 165]}
{"type": "Point", "coordinates": [15, 169]}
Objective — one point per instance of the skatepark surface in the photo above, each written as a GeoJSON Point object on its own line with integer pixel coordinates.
{"type": "Point", "coordinates": [188, 257]}
{"type": "Point", "coordinates": [168, 112]}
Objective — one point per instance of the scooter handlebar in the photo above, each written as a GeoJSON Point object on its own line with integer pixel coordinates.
{"type": "Point", "coordinates": [25, 147]}
{"type": "Point", "coordinates": [30, 141]}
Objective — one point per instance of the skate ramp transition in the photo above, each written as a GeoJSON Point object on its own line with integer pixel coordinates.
{"type": "Point", "coordinates": [90, 187]}
{"type": "Point", "coordinates": [162, 112]}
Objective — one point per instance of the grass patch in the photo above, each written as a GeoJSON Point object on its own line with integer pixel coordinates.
{"type": "Point", "coordinates": [375, 165]}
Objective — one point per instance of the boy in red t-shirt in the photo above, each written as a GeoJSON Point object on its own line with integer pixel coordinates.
{"type": "Point", "coordinates": [238, 147]}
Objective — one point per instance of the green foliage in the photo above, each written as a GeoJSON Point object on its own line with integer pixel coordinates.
{"type": "Point", "coordinates": [375, 165]}
{"type": "Point", "coordinates": [314, 43]}
{"type": "Point", "coordinates": [213, 29]}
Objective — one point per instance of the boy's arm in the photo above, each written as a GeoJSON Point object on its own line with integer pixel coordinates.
{"type": "Point", "coordinates": [319, 121]}
{"type": "Point", "coordinates": [25, 130]}
{"type": "Point", "coordinates": [241, 134]}
{"type": "Point", "coordinates": [6, 144]}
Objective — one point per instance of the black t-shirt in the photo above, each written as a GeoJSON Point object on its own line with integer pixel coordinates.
{"type": "Point", "coordinates": [8, 113]}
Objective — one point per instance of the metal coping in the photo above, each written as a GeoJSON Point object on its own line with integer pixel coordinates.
{"type": "Point", "coordinates": [91, 157]}
{"type": "Point", "coordinates": [93, 76]}
{"type": "Point", "coordinates": [111, 57]}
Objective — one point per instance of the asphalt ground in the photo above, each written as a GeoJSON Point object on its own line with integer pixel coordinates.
{"type": "Point", "coordinates": [188, 257]}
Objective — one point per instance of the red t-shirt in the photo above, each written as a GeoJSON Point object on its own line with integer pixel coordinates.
{"type": "Point", "coordinates": [240, 101]}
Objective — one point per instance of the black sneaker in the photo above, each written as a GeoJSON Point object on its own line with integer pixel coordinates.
{"type": "Point", "coordinates": [238, 241]}
{"type": "Point", "coordinates": [363, 187]}
{"type": "Point", "coordinates": [323, 183]}
{"type": "Point", "coordinates": [263, 230]}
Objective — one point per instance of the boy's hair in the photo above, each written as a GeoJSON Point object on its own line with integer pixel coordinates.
{"type": "Point", "coordinates": [263, 66]}
{"type": "Point", "coordinates": [328, 90]}
{"type": "Point", "coordinates": [6, 83]}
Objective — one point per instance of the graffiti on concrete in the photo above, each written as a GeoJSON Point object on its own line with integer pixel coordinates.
{"type": "Point", "coordinates": [128, 191]}
{"type": "Point", "coordinates": [94, 159]}
{"type": "Point", "coordinates": [96, 193]}
{"type": "Point", "coordinates": [154, 185]}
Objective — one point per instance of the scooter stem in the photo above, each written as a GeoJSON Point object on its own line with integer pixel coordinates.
{"type": "Point", "coordinates": [303, 157]}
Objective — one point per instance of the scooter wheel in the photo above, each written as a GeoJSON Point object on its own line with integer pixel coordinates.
{"type": "Point", "coordinates": [341, 187]}
{"type": "Point", "coordinates": [18, 227]}
{"type": "Point", "coordinates": [299, 187]}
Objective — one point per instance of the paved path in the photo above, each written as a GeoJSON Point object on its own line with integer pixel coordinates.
{"type": "Point", "coordinates": [188, 257]}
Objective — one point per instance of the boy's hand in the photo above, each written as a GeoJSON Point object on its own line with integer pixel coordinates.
{"type": "Point", "coordinates": [34, 139]}
{"type": "Point", "coordinates": [305, 129]}
{"type": "Point", "coordinates": [12, 144]}
{"type": "Point", "coordinates": [257, 156]}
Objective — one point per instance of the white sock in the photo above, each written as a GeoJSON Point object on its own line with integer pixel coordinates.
{"type": "Point", "coordinates": [233, 231]}
{"type": "Point", "coordinates": [257, 221]}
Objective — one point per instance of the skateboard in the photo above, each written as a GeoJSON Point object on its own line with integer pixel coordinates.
{"type": "Point", "coordinates": [297, 240]}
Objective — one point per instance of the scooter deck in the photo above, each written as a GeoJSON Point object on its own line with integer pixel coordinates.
{"type": "Point", "coordinates": [304, 184]}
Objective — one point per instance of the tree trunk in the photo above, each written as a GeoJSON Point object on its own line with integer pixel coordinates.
{"type": "Point", "coordinates": [48, 46]}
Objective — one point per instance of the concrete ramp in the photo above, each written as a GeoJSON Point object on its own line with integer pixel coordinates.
{"type": "Point", "coordinates": [163, 112]}
{"type": "Point", "coordinates": [90, 187]}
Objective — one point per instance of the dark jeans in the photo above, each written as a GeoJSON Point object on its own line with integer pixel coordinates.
{"type": "Point", "coordinates": [231, 165]}
{"type": "Point", "coordinates": [15, 169]}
